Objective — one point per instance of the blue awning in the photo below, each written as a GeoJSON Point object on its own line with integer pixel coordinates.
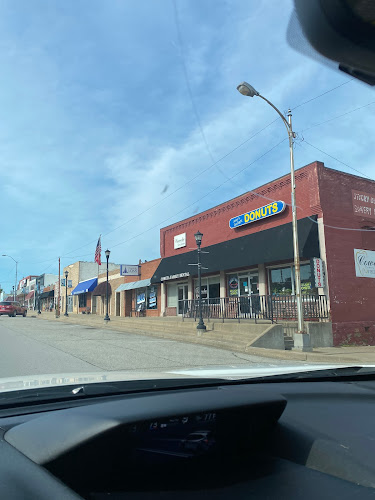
{"type": "Point", "coordinates": [133, 285]}
{"type": "Point", "coordinates": [85, 286]}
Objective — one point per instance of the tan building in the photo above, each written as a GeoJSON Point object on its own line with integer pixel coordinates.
{"type": "Point", "coordinates": [128, 295]}
{"type": "Point", "coordinates": [78, 273]}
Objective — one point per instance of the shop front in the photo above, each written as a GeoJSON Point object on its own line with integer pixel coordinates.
{"type": "Point", "coordinates": [82, 294]}
{"type": "Point", "coordinates": [248, 277]}
{"type": "Point", "coordinates": [141, 298]}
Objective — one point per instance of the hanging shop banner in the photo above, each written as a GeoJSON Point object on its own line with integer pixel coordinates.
{"type": "Point", "coordinates": [129, 270]}
{"type": "Point", "coordinates": [273, 208]}
{"type": "Point", "coordinates": [317, 272]}
{"type": "Point", "coordinates": [364, 263]}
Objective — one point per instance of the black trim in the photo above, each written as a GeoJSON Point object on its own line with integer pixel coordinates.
{"type": "Point", "coordinates": [45, 295]}
{"type": "Point", "coordinates": [271, 245]}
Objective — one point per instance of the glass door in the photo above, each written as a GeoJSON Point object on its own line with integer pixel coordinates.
{"type": "Point", "coordinates": [248, 285]}
{"type": "Point", "coordinates": [182, 296]}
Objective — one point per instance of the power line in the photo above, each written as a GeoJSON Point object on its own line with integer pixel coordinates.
{"type": "Point", "coordinates": [336, 159]}
{"type": "Point", "coordinates": [338, 116]}
{"type": "Point", "coordinates": [192, 204]}
{"type": "Point", "coordinates": [324, 93]}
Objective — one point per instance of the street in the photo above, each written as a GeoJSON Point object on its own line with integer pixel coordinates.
{"type": "Point", "coordinates": [32, 347]}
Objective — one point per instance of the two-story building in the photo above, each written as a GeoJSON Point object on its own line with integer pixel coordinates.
{"type": "Point", "coordinates": [247, 256]}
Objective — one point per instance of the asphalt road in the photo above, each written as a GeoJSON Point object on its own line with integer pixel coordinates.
{"type": "Point", "coordinates": [29, 346]}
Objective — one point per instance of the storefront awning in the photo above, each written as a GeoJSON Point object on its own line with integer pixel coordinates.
{"type": "Point", "coordinates": [101, 289]}
{"type": "Point", "coordinates": [133, 285]}
{"type": "Point", "coordinates": [85, 286]}
{"type": "Point", "coordinates": [271, 245]}
{"type": "Point", "coordinates": [30, 295]}
{"type": "Point", "coordinates": [46, 295]}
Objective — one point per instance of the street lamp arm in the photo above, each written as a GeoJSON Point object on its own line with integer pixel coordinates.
{"type": "Point", "coordinates": [279, 112]}
{"type": "Point", "coordinates": [5, 255]}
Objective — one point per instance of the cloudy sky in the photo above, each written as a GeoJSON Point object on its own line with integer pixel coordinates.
{"type": "Point", "coordinates": [120, 117]}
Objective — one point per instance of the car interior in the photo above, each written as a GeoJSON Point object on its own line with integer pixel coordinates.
{"type": "Point", "coordinates": [277, 439]}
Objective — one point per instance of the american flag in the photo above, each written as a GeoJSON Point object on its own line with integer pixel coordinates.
{"type": "Point", "coordinates": [98, 252]}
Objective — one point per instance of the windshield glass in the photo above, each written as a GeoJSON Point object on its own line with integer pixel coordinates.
{"type": "Point", "coordinates": [183, 194]}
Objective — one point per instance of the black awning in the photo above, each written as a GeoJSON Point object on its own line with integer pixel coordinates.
{"type": "Point", "coordinates": [46, 295]}
{"type": "Point", "coordinates": [101, 289]}
{"type": "Point", "coordinates": [267, 246]}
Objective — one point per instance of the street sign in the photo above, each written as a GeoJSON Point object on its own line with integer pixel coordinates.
{"type": "Point", "coordinates": [126, 270]}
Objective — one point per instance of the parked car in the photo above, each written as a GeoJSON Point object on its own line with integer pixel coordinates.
{"type": "Point", "coordinates": [12, 308]}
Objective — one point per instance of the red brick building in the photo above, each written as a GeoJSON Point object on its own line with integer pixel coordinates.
{"type": "Point", "coordinates": [336, 218]}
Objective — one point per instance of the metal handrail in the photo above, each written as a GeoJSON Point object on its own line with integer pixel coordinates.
{"type": "Point", "coordinates": [267, 307]}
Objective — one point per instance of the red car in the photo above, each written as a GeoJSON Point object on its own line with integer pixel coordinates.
{"type": "Point", "coordinates": [12, 308]}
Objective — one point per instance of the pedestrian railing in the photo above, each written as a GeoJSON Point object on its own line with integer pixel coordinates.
{"type": "Point", "coordinates": [269, 307]}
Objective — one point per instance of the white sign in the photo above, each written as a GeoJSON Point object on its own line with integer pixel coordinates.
{"type": "Point", "coordinates": [129, 270]}
{"type": "Point", "coordinates": [318, 272]}
{"type": "Point", "coordinates": [174, 276]}
{"type": "Point", "coordinates": [364, 263]}
{"type": "Point", "coordinates": [180, 240]}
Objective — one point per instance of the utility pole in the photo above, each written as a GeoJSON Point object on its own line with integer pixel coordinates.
{"type": "Point", "coordinates": [58, 298]}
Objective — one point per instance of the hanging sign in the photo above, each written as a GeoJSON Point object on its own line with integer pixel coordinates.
{"type": "Point", "coordinates": [129, 270]}
{"type": "Point", "coordinates": [317, 268]}
{"type": "Point", "coordinates": [273, 208]}
{"type": "Point", "coordinates": [364, 263]}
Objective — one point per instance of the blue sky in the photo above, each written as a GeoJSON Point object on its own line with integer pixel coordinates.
{"type": "Point", "coordinates": [107, 108]}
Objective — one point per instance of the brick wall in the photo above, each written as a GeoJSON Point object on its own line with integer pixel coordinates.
{"type": "Point", "coordinates": [214, 223]}
{"type": "Point", "coordinates": [352, 298]}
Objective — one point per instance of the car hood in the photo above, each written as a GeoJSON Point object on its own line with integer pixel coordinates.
{"type": "Point", "coordinates": [224, 372]}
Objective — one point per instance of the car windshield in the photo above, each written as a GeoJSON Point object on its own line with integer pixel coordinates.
{"type": "Point", "coordinates": [184, 194]}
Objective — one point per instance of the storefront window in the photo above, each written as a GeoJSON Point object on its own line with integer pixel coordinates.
{"type": "Point", "coordinates": [141, 298]}
{"type": "Point", "coordinates": [243, 284]}
{"type": "Point", "coordinates": [210, 288]}
{"type": "Point", "coordinates": [282, 280]}
{"type": "Point", "coordinates": [82, 297]}
{"type": "Point", "coordinates": [152, 297]}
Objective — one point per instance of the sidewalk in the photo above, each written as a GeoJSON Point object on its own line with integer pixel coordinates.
{"type": "Point", "coordinates": [175, 329]}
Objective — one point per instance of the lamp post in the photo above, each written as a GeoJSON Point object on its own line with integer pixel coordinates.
{"type": "Point", "coordinates": [249, 91]}
{"type": "Point", "coordinates": [14, 296]}
{"type": "Point", "coordinates": [24, 294]}
{"type": "Point", "coordinates": [38, 283]}
{"type": "Point", "coordinates": [198, 239]}
{"type": "Point", "coordinates": [15, 288]}
{"type": "Point", "coordinates": [106, 317]}
{"type": "Point", "coordinates": [66, 293]}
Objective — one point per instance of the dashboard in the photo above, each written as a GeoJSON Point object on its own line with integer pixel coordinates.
{"type": "Point", "coordinates": [287, 440]}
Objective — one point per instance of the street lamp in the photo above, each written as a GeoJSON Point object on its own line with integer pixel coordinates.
{"type": "Point", "coordinates": [247, 90]}
{"type": "Point", "coordinates": [5, 255]}
{"type": "Point", "coordinates": [38, 287]}
{"type": "Point", "coordinates": [198, 239]}
{"type": "Point", "coordinates": [66, 293]}
{"type": "Point", "coordinates": [106, 317]}
{"type": "Point", "coordinates": [14, 296]}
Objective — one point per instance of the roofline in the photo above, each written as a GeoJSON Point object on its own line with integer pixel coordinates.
{"type": "Point", "coordinates": [254, 191]}
{"type": "Point", "coordinates": [243, 194]}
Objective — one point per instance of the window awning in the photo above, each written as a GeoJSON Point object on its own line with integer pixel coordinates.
{"type": "Point", "coordinates": [46, 295]}
{"type": "Point", "coordinates": [270, 245]}
{"type": "Point", "coordinates": [85, 286]}
{"type": "Point", "coordinates": [30, 295]}
{"type": "Point", "coordinates": [101, 289]}
{"type": "Point", "coordinates": [133, 285]}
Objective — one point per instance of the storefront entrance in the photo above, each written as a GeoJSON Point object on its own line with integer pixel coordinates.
{"type": "Point", "coordinates": [182, 297]}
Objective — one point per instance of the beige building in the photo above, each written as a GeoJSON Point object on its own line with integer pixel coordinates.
{"type": "Point", "coordinates": [77, 273]}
